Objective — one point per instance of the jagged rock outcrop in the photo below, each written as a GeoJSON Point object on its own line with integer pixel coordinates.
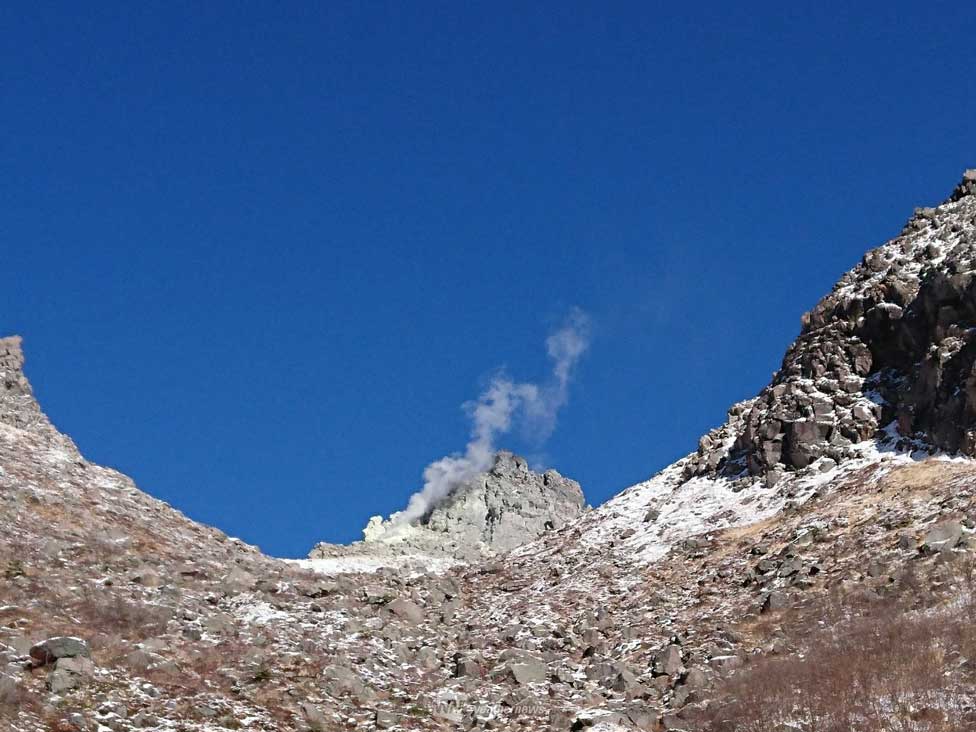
{"type": "Point", "coordinates": [507, 506]}
{"type": "Point", "coordinates": [894, 342]}
{"type": "Point", "coordinates": [491, 513]}
{"type": "Point", "coordinates": [18, 407]}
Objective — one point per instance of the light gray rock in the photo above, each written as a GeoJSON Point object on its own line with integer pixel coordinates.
{"type": "Point", "coordinates": [667, 662]}
{"type": "Point", "coordinates": [406, 610]}
{"type": "Point", "coordinates": [315, 717]}
{"type": "Point", "coordinates": [942, 537]}
{"type": "Point", "coordinates": [70, 673]}
{"type": "Point", "coordinates": [52, 649]}
{"type": "Point", "coordinates": [341, 681]}
{"type": "Point", "coordinates": [889, 345]}
{"type": "Point", "coordinates": [20, 643]}
{"type": "Point", "coordinates": [377, 594]}
{"type": "Point", "coordinates": [527, 672]}
{"type": "Point", "coordinates": [237, 580]}
{"type": "Point", "coordinates": [468, 667]}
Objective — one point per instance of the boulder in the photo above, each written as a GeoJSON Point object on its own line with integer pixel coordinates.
{"type": "Point", "coordinates": [695, 678]}
{"type": "Point", "coordinates": [315, 717]}
{"type": "Point", "coordinates": [406, 610]}
{"type": "Point", "coordinates": [341, 681]}
{"type": "Point", "coordinates": [942, 537]}
{"type": "Point", "coordinates": [52, 649]}
{"type": "Point", "coordinates": [70, 673]}
{"type": "Point", "coordinates": [377, 594]}
{"type": "Point", "coordinates": [236, 581]}
{"type": "Point", "coordinates": [526, 671]}
{"type": "Point", "coordinates": [774, 602]}
{"type": "Point", "coordinates": [468, 667]}
{"type": "Point", "coordinates": [667, 662]}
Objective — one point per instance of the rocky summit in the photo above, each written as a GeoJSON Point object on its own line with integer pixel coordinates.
{"type": "Point", "coordinates": [893, 342]}
{"type": "Point", "coordinates": [493, 512]}
{"type": "Point", "coordinates": [809, 567]}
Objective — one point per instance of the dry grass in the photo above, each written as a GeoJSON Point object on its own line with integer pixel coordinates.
{"type": "Point", "coordinates": [865, 669]}
{"type": "Point", "coordinates": [110, 613]}
{"type": "Point", "coordinates": [10, 696]}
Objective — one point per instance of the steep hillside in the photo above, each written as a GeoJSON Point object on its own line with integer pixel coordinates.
{"type": "Point", "coordinates": [832, 513]}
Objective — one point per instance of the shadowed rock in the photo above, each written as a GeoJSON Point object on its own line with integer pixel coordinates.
{"type": "Point", "coordinates": [893, 343]}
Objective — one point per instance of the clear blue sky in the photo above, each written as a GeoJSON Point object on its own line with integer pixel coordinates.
{"type": "Point", "coordinates": [261, 252]}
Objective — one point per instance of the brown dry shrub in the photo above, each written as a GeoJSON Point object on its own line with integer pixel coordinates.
{"type": "Point", "coordinates": [884, 668]}
{"type": "Point", "coordinates": [10, 696]}
{"type": "Point", "coordinates": [109, 613]}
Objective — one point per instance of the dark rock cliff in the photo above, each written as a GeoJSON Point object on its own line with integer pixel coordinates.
{"type": "Point", "coordinates": [894, 342]}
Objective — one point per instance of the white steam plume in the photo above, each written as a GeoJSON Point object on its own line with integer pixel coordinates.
{"type": "Point", "coordinates": [497, 408]}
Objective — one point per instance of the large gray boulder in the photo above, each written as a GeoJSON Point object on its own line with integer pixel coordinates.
{"type": "Point", "coordinates": [942, 537]}
{"type": "Point", "coordinates": [70, 673]}
{"type": "Point", "coordinates": [59, 647]}
{"type": "Point", "coordinates": [406, 610]}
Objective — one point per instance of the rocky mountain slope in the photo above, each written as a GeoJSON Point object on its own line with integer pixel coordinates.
{"type": "Point", "coordinates": [808, 567]}
{"type": "Point", "coordinates": [491, 513]}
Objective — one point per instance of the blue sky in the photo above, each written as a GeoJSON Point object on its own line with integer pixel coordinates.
{"type": "Point", "coordinates": [262, 252]}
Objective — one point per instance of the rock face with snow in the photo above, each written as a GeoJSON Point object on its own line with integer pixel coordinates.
{"type": "Point", "coordinates": [894, 340]}
{"type": "Point", "coordinates": [491, 513]}
{"type": "Point", "coordinates": [507, 506]}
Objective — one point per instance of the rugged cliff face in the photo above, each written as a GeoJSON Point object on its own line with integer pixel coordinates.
{"type": "Point", "coordinates": [18, 408]}
{"type": "Point", "coordinates": [493, 512]}
{"type": "Point", "coordinates": [507, 506]}
{"type": "Point", "coordinates": [893, 342]}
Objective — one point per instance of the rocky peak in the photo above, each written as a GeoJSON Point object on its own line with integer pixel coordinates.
{"type": "Point", "coordinates": [18, 408]}
{"type": "Point", "coordinates": [966, 187]}
{"type": "Point", "coordinates": [493, 512]}
{"type": "Point", "coordinates": [507, 506]}
{"type": "Point", "coordinates": [15, 384]}
{"type": "Point", "coordinates": [894, 343]}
